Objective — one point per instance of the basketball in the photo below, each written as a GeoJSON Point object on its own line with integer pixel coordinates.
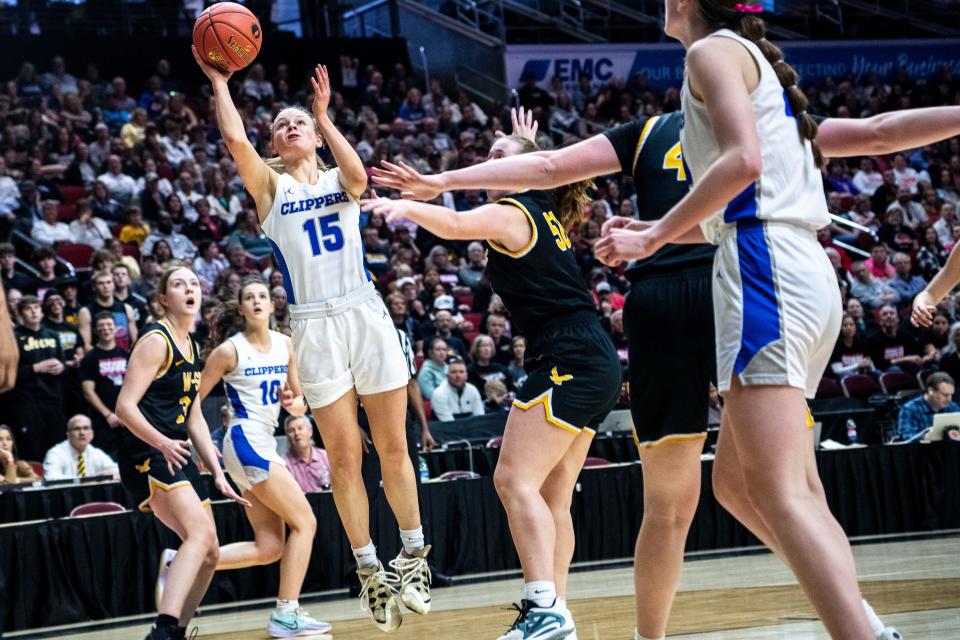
{"type": "Point", "coordinates": [227, 35]}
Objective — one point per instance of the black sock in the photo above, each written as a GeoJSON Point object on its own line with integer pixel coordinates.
{"type": "Point", "coordinates": [183, 632]}
{"type": "Point", "coordinates": [163, 620]}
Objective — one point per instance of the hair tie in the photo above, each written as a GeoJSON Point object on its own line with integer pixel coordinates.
{"type": "Point", "coordinates": [748, 8]}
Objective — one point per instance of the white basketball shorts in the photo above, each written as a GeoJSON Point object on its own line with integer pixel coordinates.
{"type": "Point", "coordinates": [777, 306]}
{"type": "Point", "coordinates": [248, 450]}
{"type": "Point", "coordinates": [349, 342]}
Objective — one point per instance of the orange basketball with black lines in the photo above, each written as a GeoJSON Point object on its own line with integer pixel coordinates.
{"type": "Point", "coordinates": [227, 35]}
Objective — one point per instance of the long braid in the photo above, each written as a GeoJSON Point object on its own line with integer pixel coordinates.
{"type": "Point", "coordinates": [723, 14]}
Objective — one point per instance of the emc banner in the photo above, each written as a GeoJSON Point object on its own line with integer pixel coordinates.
{"type": "Point", "coordinates": [663, 63]}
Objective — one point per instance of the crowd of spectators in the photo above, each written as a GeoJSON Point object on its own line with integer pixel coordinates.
{"type": "Point", "coordinates": [120, 176]}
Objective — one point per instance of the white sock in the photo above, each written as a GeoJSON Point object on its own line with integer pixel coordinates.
{"type": "Point", "coordinates": [562, 602]}
{"type": "Point", "coordinates": [287, 606]}
{"type": "Point", "coordinates": [542, 593]}
{"type": "Point", "coordinates": [412, 539]}
{"type": "Point", "coordinates": [637, 636]}
{"type": "Point", "coordinates": [366, 556]}
{"type": "Point", "coordinates": [875, 623]}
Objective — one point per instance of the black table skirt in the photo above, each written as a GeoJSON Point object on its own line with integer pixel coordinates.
{"type": "Point", "coordinates": [67, 570]}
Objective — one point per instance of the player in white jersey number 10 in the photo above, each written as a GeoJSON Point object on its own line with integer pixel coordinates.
{"type": "Point", "coordinates": [345, 344]}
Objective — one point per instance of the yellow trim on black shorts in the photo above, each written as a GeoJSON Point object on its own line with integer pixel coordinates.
{"type": "Point", "coordinates": [677, 437]}
{"type": "Point", "coordinates": [643, 138]}
{"type": "Point", "coordinates": [154, 483]}
{"type": "Point", "coordinates": [166, 366]}
{"type": "Point", "coordinates": [533, 229]}
{"type": "Point", "coordinates": [544, 399]}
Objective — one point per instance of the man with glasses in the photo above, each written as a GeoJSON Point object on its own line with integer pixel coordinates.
{"type": "Point", "coordinates": [873, 292]}
{"type": "Point", "coordinates": [75, 457]}
{"type": "Point", "coordinates": [916, 416]}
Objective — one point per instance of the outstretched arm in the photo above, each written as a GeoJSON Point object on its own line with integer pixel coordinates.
{"type": "Point", "coordinates": [503, 224]}
{"type": "Point", "coordinates": [352, 174]}
{"type": "Point", "coordinates": [539, 170]}
{"type": "Point", "coordinates": [259, 179]}
{"type": "Point", "coordinates": [887, 132]}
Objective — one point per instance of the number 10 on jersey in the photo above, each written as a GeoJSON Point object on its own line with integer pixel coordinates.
{"type": "Point", "coordinates": [329, 233]}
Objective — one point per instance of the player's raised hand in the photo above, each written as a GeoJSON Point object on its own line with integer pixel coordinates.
{"type": "Point", "coordinates": [321, 91]}
{"type": "Point", "coordinates": [411, 184]}
{"type": "Point", "coordinates": [523, 123]}
{"type": "Point", "coordinates": [214, 74]}
{"type": "Point", "coordinates": [923, 310]}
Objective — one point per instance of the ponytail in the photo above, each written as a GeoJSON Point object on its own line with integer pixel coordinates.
{"type": "Point", "coordinates": [724, 14]}
{"type": "Point", "coordinates": [570, 199]}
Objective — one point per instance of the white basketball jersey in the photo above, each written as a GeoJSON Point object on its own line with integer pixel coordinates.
{"type": "Point", "coordinates": [315, 233]}
{"type": "Point", "coordinates": [790, 188]}
{"type": "Point", "coordinates": [254, 387]}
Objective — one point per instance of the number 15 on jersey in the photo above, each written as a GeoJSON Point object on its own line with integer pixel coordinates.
{"type": "Point", "coordinates": [324, 230]}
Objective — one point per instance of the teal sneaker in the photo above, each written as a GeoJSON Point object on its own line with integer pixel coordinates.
{"type": "Point", "coordinates": [540, 623]}
{"type": "Point", "coordinates": [298, 623]}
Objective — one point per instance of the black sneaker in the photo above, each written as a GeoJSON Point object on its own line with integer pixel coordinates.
{"type": "Point", "coordinates": [164, 633]}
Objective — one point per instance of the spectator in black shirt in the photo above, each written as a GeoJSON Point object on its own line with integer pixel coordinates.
{"type": "Point", "coordinates": [105, 300]}
{"type": "Point", "coordinates": [516, 369]}
{"type": "Point", "coordinates": [123, 293]}
{"type": "Point", "coordinates": [70, 290]}
{"type": "Point", "coordinates": [55, 320]}
{"type": "Point", "coordinates": [101, 376]}
{"type": "Point", "coordinates": [852, 353]}
{"type": "Point", "coordinates": [496, 327]}
{"type": "Point", "coordinates": [12, 279]}
{"type": "Point", "coordinates": [36, 398]}
{"type": "Point", "coordinates": [443, 327]}
{"type": "Point", "coordinates": [483, 369]}
{"type": "Point", "coordinates": [890, 347]}
{"type": "Point", "coordinates": [950, 356]}
{"type": "Point", "coordinates": [45, 260]}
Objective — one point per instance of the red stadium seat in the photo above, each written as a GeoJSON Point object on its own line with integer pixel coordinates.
{"type": "Point", "coordinates": [466, 298]}
{"type": "Point", "coordinates": [470, 336]}
{"type": "Point", "coordinates": [66, 212]}
{"type": "Point", "coordinates": [459, 475]}
{"type": "Point", "coordinates": [36, 466]}
{"type": "Point", "coordinates": [475, 318]}
{"type": "Point", "coordinates": [495, 443]}
{"type": "Point", "coordinates": [860, 386]}
{"type": "Point", "coordinates": [131, 249]}
{"type": "Point", "coordinates": [96, 509]}
{"type": "Point", "coordinates": [418, 361]}
{"type": "Point", "coordinates": [72, 193]}
{"type": "Point", "coordinates": [894, 381]}
{"type": "Point", "coordinates": [592, 461]}
{"type": "Point", "coordinates": [426, 409]}
{"type": "Point", "coordinates": [76, 254]}
{"type": "Point", "coordinates": [829, 388]}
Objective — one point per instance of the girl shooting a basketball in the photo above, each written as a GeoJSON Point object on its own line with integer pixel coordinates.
{"type": "Point", "coordinates": [345, 343]}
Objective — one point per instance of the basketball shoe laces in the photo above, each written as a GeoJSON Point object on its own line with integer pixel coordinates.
{"type": "Point", "coordinates": [377, 589]}
{"type": "Point", "coordinates": [413, 571]}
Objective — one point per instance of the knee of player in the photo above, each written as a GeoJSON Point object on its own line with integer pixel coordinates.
{"type": "Point", "coordinates": [271, 551]}
{"type": "Point", "coordinates": [305, 522]}
{"type": "Point", "coordinates": [343, 469]}
{"type": "Point", "coordinates": [507, 480]}
{"type": "Point", "coordinates": [393, 453]}
{"type": "Point", "coordinates": [213, 548]}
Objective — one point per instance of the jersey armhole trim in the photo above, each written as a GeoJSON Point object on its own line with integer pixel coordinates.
{"type": "Point", "coordinates": [166, 366]}
{"type": "Point", "coordinates": [275, 192]}
{"type": "Point", "coordinates": [533, 231]}
{"type": "Point", "coordinates": [643, 138]}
